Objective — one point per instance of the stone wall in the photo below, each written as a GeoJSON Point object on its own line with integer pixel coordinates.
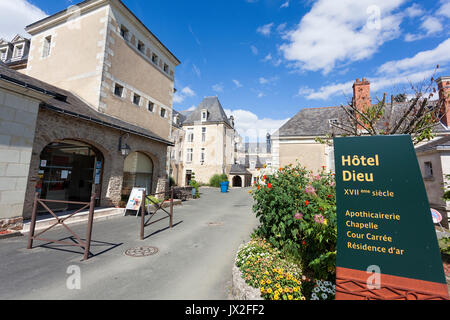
{"type": "Point", "coordinates": [17, 125]}
{"type": "Point", "coordinates": [52, 127]}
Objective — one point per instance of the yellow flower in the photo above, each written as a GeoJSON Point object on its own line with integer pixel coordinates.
{"type": "Point", "coordinates": [290, 297]}
{"type": "Point", "coordinates": [269, 281]}
{"type": "Point", "coordinates": [277, 286]}
{"type": "Point", "coordinates": [295, 289]}
{"type": "Point", "coordinates": [286, 290]}
{"type": "Point", "coordinates": [266, 273]}
{"type": "Point", "coordinates": [325, 222]}
{"type": "Point", "coordinates": [262, 282]}
{"type": "Point", "coordinates": [303, 298]}
{"type": "Point", "coordinates": [269, 291]}
{"type": "Point", "coordinates": [262, 290]}
{"type": "Point", "coordinates": [276, 297]}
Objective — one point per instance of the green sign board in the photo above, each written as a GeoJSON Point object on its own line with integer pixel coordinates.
{"type": "Point", "coordinates": [383, 212]}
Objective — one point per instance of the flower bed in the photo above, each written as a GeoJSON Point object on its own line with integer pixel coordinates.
{"type": "Point", "coordinates": [264, 267]}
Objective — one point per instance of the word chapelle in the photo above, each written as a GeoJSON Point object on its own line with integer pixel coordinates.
{"type": "Point", "coordinates": [357, 161]}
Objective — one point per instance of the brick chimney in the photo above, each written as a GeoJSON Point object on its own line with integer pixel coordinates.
{"type": "Point", "coordinates": [361, 94]}
{"type": "Point", "coordinates": [444, 94]}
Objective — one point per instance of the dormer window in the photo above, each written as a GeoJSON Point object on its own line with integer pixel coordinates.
{"type": "Point", "coordinates": [3, 54]}
{"type": "Point", "coordinates": [18, 51]}
{"type": "Point", "coordinates": [204, 115]}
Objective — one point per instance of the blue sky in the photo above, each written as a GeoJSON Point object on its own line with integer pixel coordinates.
{"type": "Point", "coordinates": [267, 59]}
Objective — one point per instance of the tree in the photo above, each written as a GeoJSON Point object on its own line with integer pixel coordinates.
{"type": "Point", "coordinates": [416, 116]}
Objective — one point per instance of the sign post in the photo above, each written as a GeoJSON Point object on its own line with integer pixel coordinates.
{"type": "Point", "coordinates": [387, 246]}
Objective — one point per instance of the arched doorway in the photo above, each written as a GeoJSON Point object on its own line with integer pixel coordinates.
{"type": "Point", "coordinates": [137, 172]}
{"type": "Point", "coordinates": [237, 181]}
{"type": "Point", "coordinates": [68, 171]}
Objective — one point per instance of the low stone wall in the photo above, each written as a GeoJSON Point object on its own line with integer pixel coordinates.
{"type": "Point", "coordinates": [241, 290]}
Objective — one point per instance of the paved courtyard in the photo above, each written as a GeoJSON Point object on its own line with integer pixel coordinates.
{"type": "Point", "coordinates": [194, 261]}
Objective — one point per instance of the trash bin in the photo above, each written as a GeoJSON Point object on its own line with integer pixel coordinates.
{"type": "Point", "coordinates": [224, 186]}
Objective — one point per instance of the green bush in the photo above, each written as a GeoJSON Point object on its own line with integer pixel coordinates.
{"type": "Point", "coordinates": [297, 211]}
{"type": "Point", "coordinates": [196, 186]}
{"type": "Point", "coordinates": [217, 179]}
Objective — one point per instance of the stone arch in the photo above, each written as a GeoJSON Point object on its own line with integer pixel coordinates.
{"type": "Point", "coordinates": [237, 182]}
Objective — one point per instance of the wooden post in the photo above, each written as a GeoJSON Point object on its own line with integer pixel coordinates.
{"type": "Point", "coordinates": [87, 244]}
{"type": "Point", "coordinates": [33, 222]}
{"type": "Point", "coordinates": [144, 197]}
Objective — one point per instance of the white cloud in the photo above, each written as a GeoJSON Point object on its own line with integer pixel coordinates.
{"type": "Point", "coordinates": [254, 50]}
{"type": "Point", "coordinates": [16, 15]}
{"type": "Point", "coordinates": [444, 10]}
{"type": "Point", "coordinates": [250, 126]}
{"type": "Point", "coordinates": [414, 70]}
{"type": "Point", "coordinates": [268, 57]}
{"type": "Point", "coordinates": [237, 83]}
{"type": "Point", "coordinates": [192, 108]}
{"type": "Point", "coordinates": [423, 59]}
{"type": "Point", "coordinates": [263, 80]}
{"type": "Point", "coordinates": [261, 95]}
{"type": "Point", "coordinates": [431, 25]}
{"type": "Point", "coordinates": [180, 96]}
{"type": "Point", "coordinates": [337, 32]}
{"type": "Point", "coordinates": [196, 70]}
{"type": "Point", "coordinates": [414, 11]}
{"type": "Point", "coordinates": [265, 29]}
{"type": "Point", "coordinates": [217, 87]}
{"type": "Point", "coordinates": [285, 4]}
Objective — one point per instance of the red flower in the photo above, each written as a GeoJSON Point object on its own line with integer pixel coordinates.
{"type": "Point", "coordinates": [269, 185]}
{"type": "Point", "coordinates": [330, 196]}
{"type": "Point", "coordinates": [304, 243]}
{"type": "Point", "coordinates": [259, 187]}
{"type": "Point", "coordinates": [307, 202]}
{"type": "Point", "coordinates": [265, 177]}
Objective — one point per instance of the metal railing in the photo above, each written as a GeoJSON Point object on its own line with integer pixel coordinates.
{"type": "Point", "coordinates": [86, 244]}
{"type": "Point", "coordinates": [158, 206]}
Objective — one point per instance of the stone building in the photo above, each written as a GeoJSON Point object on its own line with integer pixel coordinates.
{"type": "Point", "coordinates": [208, 146]}
{"type": "Point", "coordinates": [103, 115]}
{"type": "Point", "coordinates": [14, 53]}
{"type": "Point", "coordinates": [254, 156]}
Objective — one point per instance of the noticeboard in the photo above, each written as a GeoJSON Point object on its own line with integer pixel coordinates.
{"type": "Point", "coordinates": [387, 246]}
{"type": "Point", "coordinates": [135, 200]}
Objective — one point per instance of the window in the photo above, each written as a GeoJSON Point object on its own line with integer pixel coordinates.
{"type": "Point", "coordinates": [190, 153]}
{"type": "Point", "coordinates": [203, 134]}
{"type": "Point", "coordinates": [204, 115]}
{"type": "Point", "coordinates": [118, 90]}
{"type": "Point", "coordinates": [202, 156]}
{"type": "Point", "coordinates": [151, 106]}
{"type": "Point", "coordinates": [428, 169]}
{"type": "Point", "coordinates": [137, 99]}
{"type": "Point", "coordinates": [141, 46]}
{"type": "Point", "coordinates": [154, 58]}
{"type": "Point", "coordinates": [166, 68]}
{"type": "Point", "coordinates": [190, 135]}
{"type": "Point", "coordinates": [3, 54]}
{"type": "Point", "coordinates": [163, 113]}
{"type": "Point", "coordinates": [124, 32]}
{"type": "Point", "coordinates": [47, 46]}
{"type": "Point", "coordinates": [18, 51]}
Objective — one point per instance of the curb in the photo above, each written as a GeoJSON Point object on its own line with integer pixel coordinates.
{"type": "Point", "coordinates": [11, 234]}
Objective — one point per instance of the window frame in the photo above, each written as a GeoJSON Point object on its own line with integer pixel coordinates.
{"type": "Point", "coordinates": [47, 46]}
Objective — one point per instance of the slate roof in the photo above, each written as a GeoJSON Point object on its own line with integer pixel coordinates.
{"type": "Point", "coordinates": [215, 112]}
{"type": "Point", "coordinates": [181, 118]}
{"type": "Point", "coordinates": [238, 169]}
{"type": "Point", "coordinates": [67, 103]}
{"type": "Point", "coordinates": [441, 143]}
{"type": "Point", "coordinates": [316, 121]}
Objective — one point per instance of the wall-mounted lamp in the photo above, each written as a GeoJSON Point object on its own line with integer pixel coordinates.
{"type": "Point", "coordinates": [124, 148]}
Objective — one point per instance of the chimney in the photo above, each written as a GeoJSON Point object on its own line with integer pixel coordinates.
{"type": "Point", "coordinates": [444, 95]}
{"type": "Point", "coordinates": [361, 94]}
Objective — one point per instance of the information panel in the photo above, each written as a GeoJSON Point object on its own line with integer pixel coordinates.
{"type": "Point", "coordinates": [387, 245]}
